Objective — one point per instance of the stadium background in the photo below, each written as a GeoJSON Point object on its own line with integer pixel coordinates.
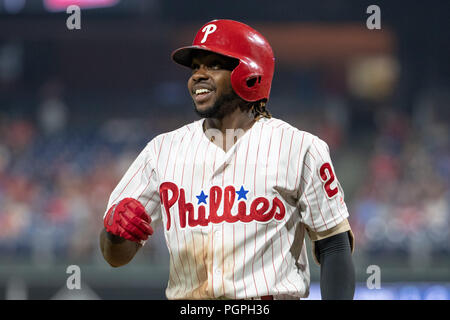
{"type": "Point", "coordinates": [77, 106]}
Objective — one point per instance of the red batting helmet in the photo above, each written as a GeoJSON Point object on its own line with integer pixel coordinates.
{"type": "Point", "coordinates": [252, 78]}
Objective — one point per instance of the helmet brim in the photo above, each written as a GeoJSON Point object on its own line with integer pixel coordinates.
{"type": "Point", "coordinates": [184, 55]}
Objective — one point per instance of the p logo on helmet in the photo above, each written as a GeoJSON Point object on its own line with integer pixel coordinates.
{"type": "Point", "coordinates": [207, 30]}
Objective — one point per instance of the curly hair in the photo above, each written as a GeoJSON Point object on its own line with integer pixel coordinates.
{"type": "Point", "coordinates": [258, 109]}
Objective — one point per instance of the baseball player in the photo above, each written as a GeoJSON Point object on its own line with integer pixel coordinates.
{"type": "Point", "coordinates": [237, 191]}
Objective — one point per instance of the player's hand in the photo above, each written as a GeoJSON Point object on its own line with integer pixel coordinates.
{"type": "Point", "coordinates": [128, 219]}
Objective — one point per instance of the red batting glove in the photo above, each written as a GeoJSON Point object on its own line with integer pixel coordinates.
{"type": "Point", "coordinates": [128, 219]}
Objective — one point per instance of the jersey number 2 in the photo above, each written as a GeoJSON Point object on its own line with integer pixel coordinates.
{"type": "Point", "coordinates": [327, 177]}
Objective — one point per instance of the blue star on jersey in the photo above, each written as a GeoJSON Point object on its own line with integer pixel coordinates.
{"type": "Point", "coordinates": [242, 193]}
{"type": "Point", "coordinates": [202, 198]}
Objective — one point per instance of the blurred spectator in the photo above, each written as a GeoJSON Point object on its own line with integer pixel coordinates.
{"type": "Point", "coordinates": [52, 112]}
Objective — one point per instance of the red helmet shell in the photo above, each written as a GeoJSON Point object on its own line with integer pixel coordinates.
{"type": "Point", "coordinates": [252, 78]}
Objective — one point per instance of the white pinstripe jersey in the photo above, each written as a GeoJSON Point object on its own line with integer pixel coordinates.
{"type": "Point", "coordinates": [235, 221]}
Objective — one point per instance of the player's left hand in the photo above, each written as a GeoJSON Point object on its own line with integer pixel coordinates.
{"type": "Point", "coordinates": [128, 219]}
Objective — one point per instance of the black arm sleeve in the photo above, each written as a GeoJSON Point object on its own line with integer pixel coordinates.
{"type": "Point", "coordinates": [337, 273]}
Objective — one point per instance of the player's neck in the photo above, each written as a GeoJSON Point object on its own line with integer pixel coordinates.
{"type": "Point", "coordinates": [232, 127]}
{"type": "Point", "coordinates": [233, 121]}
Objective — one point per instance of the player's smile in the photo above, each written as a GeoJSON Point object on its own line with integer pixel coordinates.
{"type": "Point", "coordinates": [201, 93]}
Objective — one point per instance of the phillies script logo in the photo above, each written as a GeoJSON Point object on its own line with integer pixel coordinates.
{"type": "Point", "coordinates": [261, 209]}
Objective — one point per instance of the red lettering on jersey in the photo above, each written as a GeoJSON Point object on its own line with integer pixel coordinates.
{"type": "Point", "coordinates": [228, 199]}
{"type": "Point", "coordinates": [260, 209]}
{"type": "Point", "coordinates": [164, 196]}
{"type": "Point", "coordinates": [184, 208]}
{"type": "Point", "coordinates": [242, 212]}
{"type": "Point", "coordinates": [215, 197]}
{"type": "Point", "coordinates": [259, 214]}
{"type": "Point", "coordinates": [276, 203]}
{"type": "Point", "coordinates": [202, 220]}
{"type": "Point", "coordinates": [327, 176]}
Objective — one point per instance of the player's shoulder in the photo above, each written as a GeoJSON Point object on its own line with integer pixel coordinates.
{"type": "Point", "coordinates": [162, 138]}
{"type": "Point", "coordinates": [307, 138]}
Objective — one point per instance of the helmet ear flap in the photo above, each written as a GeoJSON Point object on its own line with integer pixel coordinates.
{"type": "Point", "coordinates": [253, 81]}
{"type": "Point", "coordinates": [246, 82]}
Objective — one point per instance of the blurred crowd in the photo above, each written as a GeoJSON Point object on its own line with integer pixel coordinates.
{"type": "Point", "coordinates": [402, 206]}
{"type": "Point", "coordinates": [55, 179]}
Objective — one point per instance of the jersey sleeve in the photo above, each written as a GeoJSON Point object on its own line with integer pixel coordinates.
{"type": "Point", "coordinates": [321, 201]}
{"type": "Point", "coordinates": [140, 182]}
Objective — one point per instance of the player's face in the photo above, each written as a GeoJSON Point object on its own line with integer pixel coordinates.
{"type": "Point", "coordinates": [210, 85]}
